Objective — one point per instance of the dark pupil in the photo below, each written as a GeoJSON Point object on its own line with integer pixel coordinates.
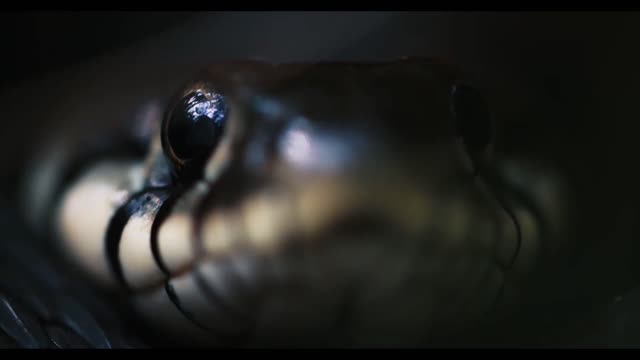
{"type": "Point", "coordinates": [472, 117]}
{"type": "Point", "coordinates": [196, 124]}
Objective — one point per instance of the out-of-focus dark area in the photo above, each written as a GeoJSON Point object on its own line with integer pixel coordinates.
{"type": "Point", "coordinates": [37, 43]}
{"type": "Point", "coordinates": [564, 85]}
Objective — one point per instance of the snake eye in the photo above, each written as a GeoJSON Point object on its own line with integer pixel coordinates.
{"type": "Point", "coordinates": [472, 117]}
{"type": "Point", "coordinates": [194, 127]}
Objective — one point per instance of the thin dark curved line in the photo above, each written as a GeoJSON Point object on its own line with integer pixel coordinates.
{"type": "Point", "coordinates": [162, 214]}
{"type": "Point", "coordinates": [173, 296]}
{"type": "Point", "coordinates": [113, 235]}
{"type": "Point", "coordinates": [518, 228]}
{"type": "Point", "coordinates": [233, 340]}
{"type": "Point", "coordinates": [505, 268]}
{"type": "Point", "coordinates": [112, 243]}
{"type": "Point", "coordinates": [520, 195]}
{"type": "Point", "coordinates": [198, 241]}
{"type": "Point", "coordinates": [525, 200]}
{"type": "Point", "coordinates": [198, 247]}
{"type": "Point", "coordinates": [213, 296]}
{"type": "Point", "coordinates": [493, 180]}
{"type": "Point", "coordinates": [199, 251]}
{"type": "Point", "coordinates": [533, 208]}
{"type": "Point", "coordinates": [482, 171]}
{"type": "Point", "coordinates": [489, 177]}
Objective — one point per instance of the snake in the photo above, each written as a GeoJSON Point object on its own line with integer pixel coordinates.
{"type": "Point", "coordinates": [304, 204]}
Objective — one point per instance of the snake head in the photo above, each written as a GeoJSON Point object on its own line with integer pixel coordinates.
{"type": "Point", "coordinates": [339, 204]}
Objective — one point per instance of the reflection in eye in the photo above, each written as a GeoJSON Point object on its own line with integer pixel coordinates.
{"type": "Point", "coordinates": [210, 105]}
{"type": "Point", "coordinates": [196, 124]}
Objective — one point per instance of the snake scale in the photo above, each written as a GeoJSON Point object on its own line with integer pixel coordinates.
{"type": "Point", "coordinates": [305, 204]}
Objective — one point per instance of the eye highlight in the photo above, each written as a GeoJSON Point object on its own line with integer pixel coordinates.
{"type": "Point", "coordinates": [194, 126]}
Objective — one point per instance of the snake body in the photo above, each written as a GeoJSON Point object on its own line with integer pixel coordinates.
{"type": "Point", "coordinates": [331, 204]}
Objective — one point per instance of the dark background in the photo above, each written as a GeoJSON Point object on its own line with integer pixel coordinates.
{"type": "Point", "coordinates": [36, 43]}
{"type": "Point", "coordinates": [564, 84]}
